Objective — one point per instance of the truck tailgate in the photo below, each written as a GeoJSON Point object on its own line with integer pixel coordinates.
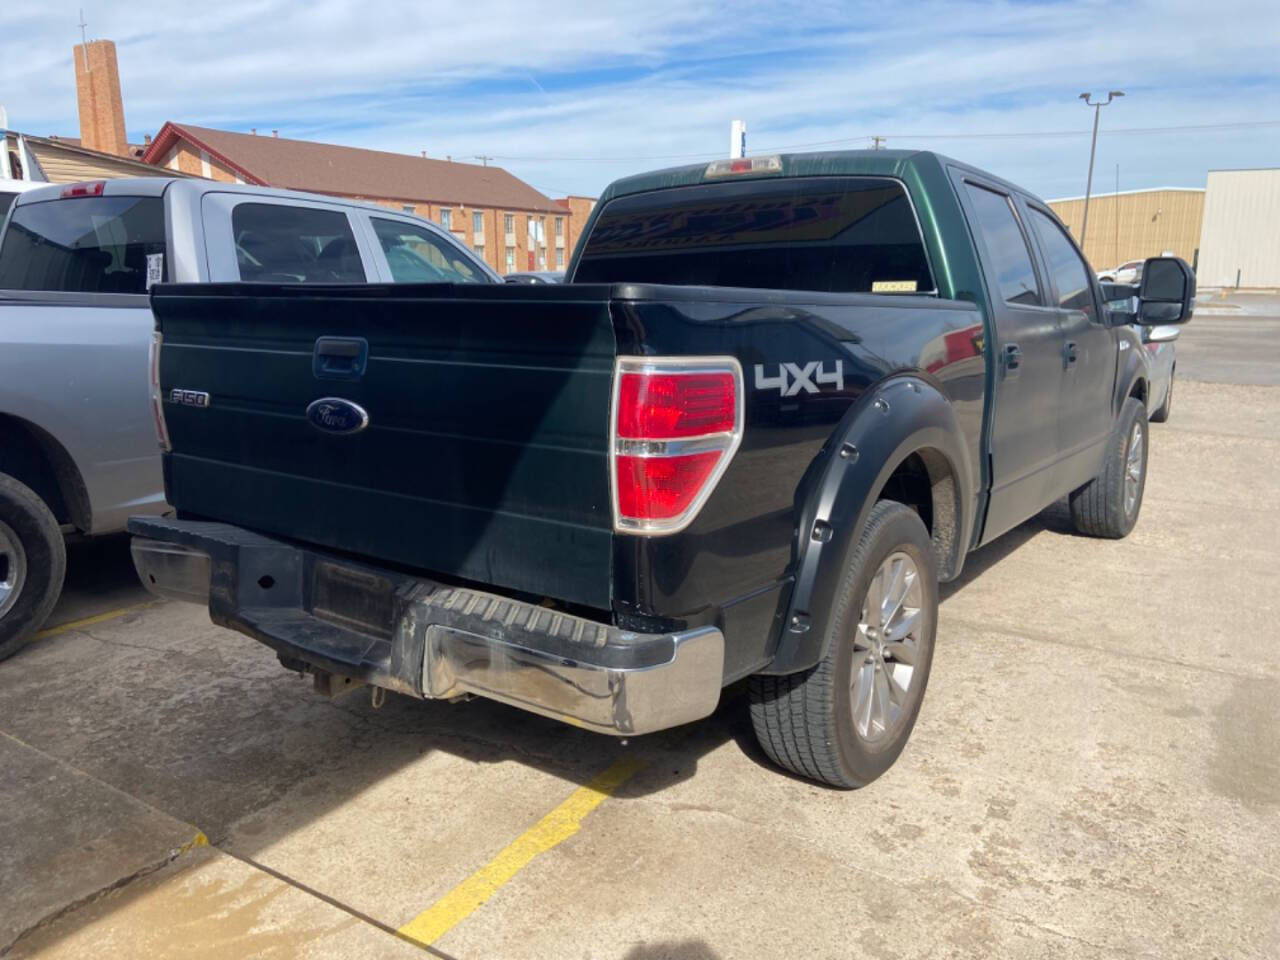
{"type": "Point", "coordinates": [485, 451]}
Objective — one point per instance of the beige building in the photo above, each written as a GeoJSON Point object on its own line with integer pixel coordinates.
{"type": "Point", "coordinates": [1240, 236]}
{"type": "Point", "coordinates": [1136, 224]}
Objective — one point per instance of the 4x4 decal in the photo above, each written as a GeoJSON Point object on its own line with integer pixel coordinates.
{"type": "Point", "coordinates": [792, 377]}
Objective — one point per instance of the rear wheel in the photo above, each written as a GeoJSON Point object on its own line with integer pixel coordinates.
{"type": "Point", "coordinates": [1108, 505]}
{"type": "Point", "coordinates": [846, 721]}
{"type": "Point", "coordinates": [33, 560]}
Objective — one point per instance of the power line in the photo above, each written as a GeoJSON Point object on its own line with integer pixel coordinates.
{"type": "Point", "coordinates": [1037, 135]}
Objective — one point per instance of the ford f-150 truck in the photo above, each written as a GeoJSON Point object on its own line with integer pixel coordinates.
{"type": "Point", "coordinates": [779, 401]}
{"type": "Point", "coordinates": [77, 441]}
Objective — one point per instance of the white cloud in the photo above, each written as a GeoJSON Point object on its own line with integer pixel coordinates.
{"type": "Point", "coordinates": [609, 87]}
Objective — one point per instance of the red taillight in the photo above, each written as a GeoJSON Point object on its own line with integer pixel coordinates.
{"type": "Point", "coordinates": [660, 488]}
{"type": "Point", "coordinates": [93, 189]}
{"type": "Point", "coordinates": [157, 404]}
{"type": "Point", "coordinates": [666, 405]}
{"type": "Point", "coordinates": [677, 423]}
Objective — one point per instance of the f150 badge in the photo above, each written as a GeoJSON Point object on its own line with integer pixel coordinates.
{"type": "Point", "coordinates": [189, 398]}
{"type": "Point", "coordinates": [335, 415]}
{"type": "Point", "coordinates": [793, 377]}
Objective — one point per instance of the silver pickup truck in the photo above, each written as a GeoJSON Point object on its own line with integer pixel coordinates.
{"type": "Point", "coordinates": [78, 447]}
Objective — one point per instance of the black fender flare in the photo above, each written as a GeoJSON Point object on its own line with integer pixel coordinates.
{"type": "Point", "coordinates": [902, 416]}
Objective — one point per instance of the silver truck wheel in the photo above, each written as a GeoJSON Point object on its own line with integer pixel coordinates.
{"type": "Point", "coordinates": [13, 568]}
{"type": "Point", "coordinates": [33, 561]}
{"type": "Point", "coordinates": [845, 722]}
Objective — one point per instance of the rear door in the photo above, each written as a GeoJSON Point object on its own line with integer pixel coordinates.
{"type": "Point", "coordinates": [483, 451]}
{"type": "Point", "coordinates": [1024, 441]}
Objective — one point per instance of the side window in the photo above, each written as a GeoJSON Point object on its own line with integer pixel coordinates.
{"type": "Point", "coordinates": [1070, 275]}
{"type": "Point", "coordinates": [278, 243]}
{"type": "Point", "coordinates": [1006, 246]}
{"type": "Point", "coordinates": [416, 255]}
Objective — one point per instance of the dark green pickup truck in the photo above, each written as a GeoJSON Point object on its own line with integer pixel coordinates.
{"type": "Point", "coordinates": [779, 400]}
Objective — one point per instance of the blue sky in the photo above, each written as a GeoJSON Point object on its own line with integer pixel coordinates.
{"type": "Point", "coordinates": [571, 97]}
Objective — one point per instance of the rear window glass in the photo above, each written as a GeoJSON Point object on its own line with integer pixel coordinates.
{"type": "Point", "coordinates": [279, 243]}
{"type": "Point", "coordinates": [85, 245]}
{"type": "Point", "coordinates": [830, 234]}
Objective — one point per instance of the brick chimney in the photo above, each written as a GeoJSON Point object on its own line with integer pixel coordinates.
{"type": "Point", "coordinates": [98, 96]}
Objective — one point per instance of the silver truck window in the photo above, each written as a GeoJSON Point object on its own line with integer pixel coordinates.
{"type": "Point", "coordinates": [278, 243]}
{"type": "Point", "coordinates": [831, 234]}
{"type": "Point", "coordinates": [416, 255]}
{"type": "Point", "coordinates": [1007, 253]}
{"type": "Point", "coordinates": [85, 245]}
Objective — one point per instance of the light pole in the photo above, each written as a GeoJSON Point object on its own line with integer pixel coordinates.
{"type": "Point", "coordinates": [1088, 187]}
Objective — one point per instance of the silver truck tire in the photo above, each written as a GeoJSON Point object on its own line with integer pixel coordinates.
{"type": "Point", "coordinates": [845, 721]}
{"type": "Point", "coordinates": [33, 562]}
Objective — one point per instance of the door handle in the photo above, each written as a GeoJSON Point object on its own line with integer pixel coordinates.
{"type": "Point", "coordinates": [1071, 351]}
{"type": "Point", "coordinates": [340, 358]}
{"type": "Point", "coordinates": [1012, 358]}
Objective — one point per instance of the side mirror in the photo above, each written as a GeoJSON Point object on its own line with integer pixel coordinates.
{"type": "Point", "coordinates": [1168, 292]}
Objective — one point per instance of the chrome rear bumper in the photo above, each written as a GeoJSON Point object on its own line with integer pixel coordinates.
{"type": "Point", "coordinates": [428, 639]}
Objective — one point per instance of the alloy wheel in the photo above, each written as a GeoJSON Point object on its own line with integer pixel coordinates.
{"type": "Point", "coordinates": [1133, 470]}
{"type": "Point", "coordinates": [13, 568]}
{"type": "Point", "coordinates": [885, 648]}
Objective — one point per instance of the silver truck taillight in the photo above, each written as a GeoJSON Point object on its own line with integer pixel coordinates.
{"type": "Point", "coordinates": [676, 423]}
{"type": "Point", "coordinates": [157, 402]}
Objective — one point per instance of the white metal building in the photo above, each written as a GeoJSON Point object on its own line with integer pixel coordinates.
{"type": "Point", "coordinates": [1240, 231]}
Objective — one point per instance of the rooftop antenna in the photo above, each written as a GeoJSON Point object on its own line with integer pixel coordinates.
{"type": "Point", "coordinates": [84, 41]}
{"type": "Point", "coordinates": [483, 159]}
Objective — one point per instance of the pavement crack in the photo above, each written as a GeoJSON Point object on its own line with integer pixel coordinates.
{"type": "Point", "coordinates": [119, 884]}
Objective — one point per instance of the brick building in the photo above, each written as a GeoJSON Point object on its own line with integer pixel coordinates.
{"type": "Point", "coordinates": [509, 223]}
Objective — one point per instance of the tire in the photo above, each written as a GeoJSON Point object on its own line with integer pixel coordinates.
{"type": "Point", "coordinates": [33, 561]}
{"type": "Point", "coordinates": [806, 721]}
{"type": "Point", "coordinates": [1166, 408]}
{"type": "Point", "coordinates": [1109, 504]}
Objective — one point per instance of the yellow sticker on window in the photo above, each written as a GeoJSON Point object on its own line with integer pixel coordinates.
{"type": "Point", "coordinates": [893, 286]}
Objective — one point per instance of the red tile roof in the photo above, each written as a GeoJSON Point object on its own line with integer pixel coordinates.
{"type": "Point", "coordinates": [352, 171]}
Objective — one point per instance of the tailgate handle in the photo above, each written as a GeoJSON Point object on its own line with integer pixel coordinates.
{"type": "Point", "coordinates": [340, 358]}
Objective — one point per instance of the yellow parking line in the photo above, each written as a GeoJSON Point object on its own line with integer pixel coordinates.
{"type": "Point", "coordinates": [557, 826]}
{"type": "Point", "coordinates": [90, 621]}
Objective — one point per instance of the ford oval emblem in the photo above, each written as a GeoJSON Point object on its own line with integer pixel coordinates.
{"type": "Point", "coordinates": [335, 415]}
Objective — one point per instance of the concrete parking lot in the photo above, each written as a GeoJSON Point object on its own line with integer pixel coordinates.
{"type": "Point", "coordinates": [1095, 772]}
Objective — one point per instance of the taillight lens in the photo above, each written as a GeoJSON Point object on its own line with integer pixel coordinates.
{"type": "Point", "coordinates": [676, 425]}
{"type": "Point", "coordinates": [667, 405]}
{"type": "Point", "coordinates": [157, 404]}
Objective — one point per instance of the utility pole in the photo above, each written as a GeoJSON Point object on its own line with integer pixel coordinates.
{"type": "Point", "coordinates": [1088, 187]}
{"type": "Point", "coordinates": [1115, 209]}
{"type": "Point", "coordinates": [483, 159]}
{"type": "Point", "coordinates": [876, 141]}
